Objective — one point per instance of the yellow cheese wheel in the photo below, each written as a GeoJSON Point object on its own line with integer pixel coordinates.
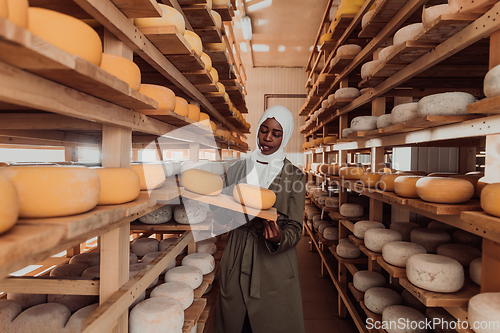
{"type": "Point", "coordinates": [406, 186]}
{"type": "Point", "coordinates": [51, 191]}
{"type": "Point", "coordinates": [18, 12]}
{"type": "Point", "coordinates": [202, 182]}
{"type": "Point", "coordinates": [333, 169]}
{"type": "Point", "coordinates": [214, 74]}
{"type": "Point", "coordinates": [221, 87]}
{"type": "Point", "coordinates": [181, 106]}
{"type": "Point", "coordinates": [330, 139]}
{"type": "Point", "coordinates": [479, 187]}
{"type": "Point", "coordinates": [118, 185]}
{"type": "Point", "coordinates": [217, 19]}
{"type": "Point", "coordinates": [386, 182]}
{"type": "Point", "coordinates": [213, 126]}
{"type": "Point", "coordinates": [473, 179]}
{"type": "Point", "coordinates": [67, 33]}
{"type": "Point", "coordinates": [323, 168]}
{"type": "Point", "coordinates": [151, 176]}
{"type": "Point", "coordinates": [9, 204]}
{"type": "Point", "coordinates": [254, 196]}
{"type": "Point", "coordinates": [124, 69]}
{"type": "Point", "coordinates": [490, 199]}
{"type": "Point", "coordinates": [216, 46]}
{"type": "Point", "coordinates": [4, 10]}
{"type": "Point", "coordinates": [325, 38]}
{"type": "Point", "coordinates": [371, 179]}
{"type": "Point", "coordinates": [446, 190]}
{"type": "Point", "coordinates": [221, 3]}
{"type": "Point", "coordinates": [227, 134]}
{"type": "Point", "coordinates": [209, 4]}
{"type": "Point", "coordinates": [169, 16]}
{"type": "Point", "coordinates": [204, 119]}
{"type": "Point", "coordinates": [350, 172]}
{"type": "Point", "coordinates": [348, 8]}
{"type": "Point", "coordinates": [195, 41]}
{"type": "Point", "coordinates": [207, 61]}
{"type": "Point", "coordinates": [220, 133]}
{"type": "Point", "coordinates": [164, 96]}
{"type": "Point", "coordinates": [194, 112]}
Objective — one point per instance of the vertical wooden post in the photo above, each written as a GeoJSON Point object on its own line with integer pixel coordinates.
{"type": "Point", "coordinates": [71, 155]}
{"type": "Point", "coordinates": [466, 159]}
{"type": "Point", "coordinates": [377, 163]}
{"type": "Point", "coordinates": [194, 152]}
{"type": "Point", "coordinates": [135, 154]}
{"type": "Point", "coordinates": [495, 49]}
{"type": "Point", "coordinates": [342, 233]}
{"type": "Point", "coordinates": [343, 123]}
{"type": "Point", "coordinates": [378, 106]}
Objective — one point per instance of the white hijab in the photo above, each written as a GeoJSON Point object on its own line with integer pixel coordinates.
{"type": "Point", "coordinates": [264, 174]}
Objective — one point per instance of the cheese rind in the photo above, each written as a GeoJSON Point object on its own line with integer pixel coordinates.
{"type": "Point", "coordinates": [169, 16]}
{"type": "Point", "coordinates": [384, 121]}
{"type": "Point", "coordinates": [378, 298]}
{"type": "Point", "coordinates": [177, 290]}
{"type": "Point", "coordinates": [207, 61]}
{"type": "Point", "coordinates": [404, 112]}
{"type": "Point", "coordinates": [435, 273]}
{"type": "Point", "coordinates": [361, 227]}
{"type": "Point", "coordinates": [404, 228]}
{"type": "Point", "coordinates": [187, 274]}
{"type": "Point", "coordinates": [151, 176]}
{"type": "Point", "coordinates": [431, 14]}
{"type": "Point", "coordinates": [195, 41]}
{"type": "Point", "coordinates": [407, 33]}
{"type": "Point", "coordinates": [16, 11]}
{"type": "Point", "coordinates": [369, 67]}
{"type": "Point", "coordinates": [351, 210]}
{"type": "Point", "coordinates": [254, 196]}
{"type": "Point", "coordinates": [47, 317]}
{"type": "Point", "coordinates": [444, 190]}
{"type": "Point", "coordinates": [204, 261]}
{"type": "Point", "coordinates": [163, 95]}
{"type": "Point", "coordinates": [445, 104]}
{"type": "Point", "coordinates": [346, 93]}
{"type": "Point", "coordinates": [69, 270]}
{"type": "Point", "coordinates": [386, 182]}
{"type": "Point", "coordinates": [202, 182]}
{"type": "Point", "coordinates": [404, 314]}
{"type": "Point", "coordinates": [364, 280]}
{"type": "Point", "coordinates": [406, 186]}
{"type": "Point", "coordinates": [351, 172]}
{"type": "Point", "coordinates": [484, 312]}
{"type": "Point", "coordinates": [491, 86]}
{"type": "Point", "coordinates": [161, 215]}
{"type": "Point", "coordinates": [348, 250]}
{"type": "Point", "coordinates": [376, 238]}
{"type": "Point", "coordinates": [181, 106]}
{"type": "Point", "coordinates": [89, 258]}
{"type": "Point", "coordinates": [364, 123]}
{"type": "Point", "coordinates": [9, 204]}
{"type": "Point", "coordinates": [475, 270]}
{"type": "Point", "coordinates": [191, 212]}
{"type": "Point", "coordinates": [370, 179]}
{"type": "Point", "coordinates": [430, 239]}
{"type": "Point", "coordinates": [397, 253]}
{"type": "Point", "coordinates": [118, 185]}
{"type": "Point", "coordinates": [490, 195]}
{"type": "Point", "coordinates": [193, 112]}
{"type": "Point", "coordinates": [123, 68]}
{"type": "Point", "coordinates": [27, 300]}
{"type": "Point", "coordinates": [143, 246]}
{"type": "Point", "coordinates": [157, 314]}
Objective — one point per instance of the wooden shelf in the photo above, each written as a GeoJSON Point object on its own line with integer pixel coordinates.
{"type": "Point", "coordinates": [481, 224]}
{"type": "Point", "coordinates": [384, 12]}
{"type": "Point", "coordinates": [394, 271]}
{"type": "Point", "coordinates": [358, 295]}
{"type": "Point", "coordinates": [338, 63]}
{"type": "Point", "coordinates": [198, 15]}
{"type": "Point", "coordinates": [356, 241]}
{"type": "Point", "coordinates": [340, 260]}
{"type": "Point", "coordinates": [226, 13]}
{"type": "Point", "coordinates": [445, 26]}
{"type": "Point", "coordinates": [487, 106]}
{"type": "Point", "coordinates": [193, 313]}
{"type": "Point", "coordinates": [373, 256]}
{"type": "Point", "coordinates": [336, 216]}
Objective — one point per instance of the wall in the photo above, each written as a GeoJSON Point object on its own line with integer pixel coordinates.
{"type": "Point", "coordinates": [276, 80]}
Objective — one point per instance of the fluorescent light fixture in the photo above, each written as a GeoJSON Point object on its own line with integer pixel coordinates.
{"type": "Point", "coordinates": [260, 47]}
{"type": "Point", "coordinates": [281, 48]}
{"type": "Point", "coordinates": [246, 27]}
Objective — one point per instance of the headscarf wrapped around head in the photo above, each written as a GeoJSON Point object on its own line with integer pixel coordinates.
{"type": "Point", "coordinates": [275, 161]}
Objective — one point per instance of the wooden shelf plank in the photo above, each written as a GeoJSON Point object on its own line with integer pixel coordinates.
{"type": "Point", "coordinates": [356, 241]}
{"type": "Point", "coordinates": [199, 77]}
{"type": "Point", "coordinates": [445, 209]}
{"type": "Point", "coordinates": [169, 226]}
{"type": "Point", "coordinates": [358, 295]}
{"type": "Point", "coordinates": [209, 34]}
{"type": "Point", "coordinates": [50, 285]}
{"type": "Point", "coordinates": [356, 261]}
{"type": "Point", "coordinates": [226, 12]}
{"type": "Point", "coordinates": [482, 224]}
{"type": "Point", "coordinates": [167, 39]}
{"type": "Point", "coordinates": [384, 12]}
{"type": "Point", "coordinates": [446, 26]}
{"type": "Point", "coordinates": [186, 62]}
{"type": "Point", "coordinates": [210, 277]}
{"type": "Point", "coordinates": [175, 119]}
{"type": "Point", "coordinates": [408, 52]}
{"type": "Point", "coordinates": [198, 292]}
{"type": "Point", "coordinates": [166, 193]}
{"type": "Point", "coordinates": [373, 256]}
{"type": "Point", "coordinates": [338, 63]}
{"type": "Point", "coordinates": [198, 15]}
{"type": "Point", "coordinates": [394, 271]}
{"type": "Point", "coordinates": [348, 224]}
{"type": "Point", "coordinates": [193, 313]}
{"type": "Point", "coordinates": [487, 105]}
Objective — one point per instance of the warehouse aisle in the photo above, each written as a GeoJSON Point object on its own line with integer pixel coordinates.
{"type": "Point", "coordinates": [319, 296]}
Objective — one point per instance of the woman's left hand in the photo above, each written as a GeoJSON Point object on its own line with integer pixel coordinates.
{"type": "Point", "coordinates": [272, 231]}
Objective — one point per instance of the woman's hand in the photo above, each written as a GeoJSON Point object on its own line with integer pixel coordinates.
{"type": "Point", "coordinates": [271, 231]}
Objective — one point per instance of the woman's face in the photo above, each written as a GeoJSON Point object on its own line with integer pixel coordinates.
{"type": "Point", "coordinates": [270, 136]}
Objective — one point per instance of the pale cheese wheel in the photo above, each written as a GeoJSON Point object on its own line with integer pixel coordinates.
{"type": "Point", "coordinates": [158, 216]}
{"type": "Point", "coordinates": [72, 302]}
{"type": "Point", "coordinates": [364, 123]}
{"type": "Point", "coordinates": [204, 119]}
{"type": "Point", "coordinates": [404, 228]}
{"type": "Point", "coordinates": [194, 41]}
{"type": "Point", "coordinates": [325, 104]}
{"type": "Point", "coordinates": [351, 210]}
{"type": "Point", "coordinates": [466, 238]}
{"type": "Point", "coordinates": [475, 270]}
{"type": "Point", "coordinates": [17, 12]}
{"type": "Point", "coordinates": [431, 14]}
{"type": "Point", "coordinates": [332, 202]}
{"type": "Point", "coordinates": [435, 273]}
{"type": "Point", "coordinates": [484, 312]}
{"type": "Point", "coordinates": [167, 242]}
{"type": "Point", "coordinates": [407, 33]}
{"type": "Point", "coordinates": [134, 269]}
{"type": "Point", "coordinates": [351, 172]}
{"type": "Point", "coordinates": [369, 68]}
{"type": "Point", "coordinates": [118, 185]}
{"type": "Point", "coordinates": [48, 317]}
{"type": "Point", "coordinates": [214, 74]}
{"type": "Point", "coordinates": [215, 46]}
{"type": "Point", "coordinates": [444, 190]}
{"type": "Point", "coordinates": [367, 18]}
{"type": "Point", "coordinates": [206, 246]}
{"type": "Point", "coordinates": [370, 179]}
{"type": "Point", "coordinates": [133, 258]}
{"type": "Point", "coordinates": [169, 16]}
{"type": "Point", "coordinates": [9, 310]}
{"type": "Point", "coordinates": [384, 121]}
{"type": "Point", "coordinates": [430, 239]}
{"type": "Point", "coordinates": [321, 200]}
{"type": "Point", "coordinates": [376, 238]}
{"type": "Point", "coordinates": [491, 86]}
{"type": "Point", "coordinates": [179, 291]}
{"type": "Point", "coordinates": [346, 93]}
{"type": "Point", "coordinates": [143, 246]}
{"type": "Point", "coordinates": [202, 182]}
{"type": "Point", "coordinates": [403, 314]}
{"type": "Point", "coordinates": [323, 225]}
{"type": "Point", "coordinates": [331, 99]}
{"type": "Point", "coordinates": [69, 270]}
{"type": "Point", "coordinates": [378, 298]}
{"type": "Point", "coordinates": [89, 258]}
{"type": "Point", "coordinates": [445, 104]}
{"type": "Point", "coordinates": [217, 19]}
{"type": "Point", "coordinates": [123, 68]}
{"type": "Point", "coordinates": [181, 106]}
{"type": "Point", "coordinates": [9, 204]}
{"type": "Point", "coordinates": [346, 132]}
{"type": "Point", "coordinates": [397, 253]}
{"type": "Point", "coordinates": [75, 322]}
{"type": "Point", "coordinates": [163, 95]}
{"type": "Point", "coordinates": [157, 314]}
{"type": "Point", "coordinates": [187, 274]}
{"type": "Point", "coordinates": [348, 250]}
{"type": "Point", "coordinates": [331, 233]}
{"type": "Point", "coordinates": [151, 176]}
{"type": "Point", "coordinates": [490, 196]}
{"type": "Point", "coordinates": [406, 186]}
{"type": "Point", "coordinates": [207, 61]}
{"type": "Point", "coordinates": [152, 256]}
{"type": "Point", "coordinates": [404, 112]}
{"type": "Point", "coordinates": [92, 272]}
{"type": "Point", "coordinates": [464, 254]}
{"type": "Point", "coordinates": [193, 112]}
{"type": "Point", "coordinates": [254, 196]}
{"type": "Point", "coordinates": [204, 261]}
{"type": "Point", "coordinates": [191, 212]}
{"type": "Point", "coordinates": [361, 227]}
{"type": "Point", "coordinates": [386, 182]}
{"type": "Point", "coordinates": [385, 52]}
{"type": "Point", "coordinates": [27, 300]}
{"type": "Point", "coordinates": [60, 30]}
{"type": "Point", "coordinates": [443, 226]}
{"type": "Point", "coordinates": [364, 280]}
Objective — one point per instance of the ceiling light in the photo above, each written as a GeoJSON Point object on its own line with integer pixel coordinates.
{"type": "Point", "coordinates": [260, 47]}
{"type": "Point", "coordinates": [246, 27]}
{"type": "Point", "coordinates": [281, 48]}
{"type": "Point", "coordinates": [243, 47]}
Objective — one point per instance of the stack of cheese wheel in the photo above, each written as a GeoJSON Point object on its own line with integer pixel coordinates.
{"type": "Point", "coordinates": [179, 291]}
{"type": "Point", "coordinates": [430, 239]}
{"type": "Point", "coordinates": [406, 186]}
{"type": "Point", "coordinates": [378, 298]}
{"type": "Point", "coordinates": [169, 16]}
{"type": "Point", "coordinates": [9, 204]}
{"type": "Point", "coordinates": [445, 190]}
{"type": "Point", "coordinates": [254, 196]}
{"type": "Point", "coordinates": [202, 182]}
{"type": "Point", "coordinates": [157, 314]}
{"type": "Point", "coordinates": [118, 185]}
{"type": "Point", "coordinates": [151, 176]}
{"type": "Point", "coordinates": [123, 68]}
{"type": "Point", "coordinates": [191, 212]}
{"type": "Point", "coordinates": [163, 95]}
{"type": "Point", "coordinates": [364, 280]}
{"type": "Point", "coordinates": [435, 273]}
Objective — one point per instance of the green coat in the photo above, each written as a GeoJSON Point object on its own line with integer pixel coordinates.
{"type": "Point", "coordinates": [256, 276]}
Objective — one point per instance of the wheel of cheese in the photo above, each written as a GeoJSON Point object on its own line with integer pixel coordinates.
{"type": "Point", "coordinates": [60, 30]}
{"type": "Point", "coordinates": [215, 46]}
{"type": "Point", "coordinates": [69, 270]}
{"type": "Point", "coordinates": [72, 302]}
{"type": "Point", "coordinates": [484, 311]}
{"type": "Point", "coordinates": [43, 191]}
{"type": "Point", "coordinates": [254, 196]}
{"type": "Point", "coordinates": [157, 314]}
{"type": "Point", "coordinates": [462, 253]}
{"type": "Point", "coordinates": [443, 226]}
{"type": "Point", "coordinates": [221, 3]}
{"type": "Point", "coordinates": [9, 204]}
{"type": "Point", "coordinates": [207, 61]}
{"type": "Point", "coordinates": [364, 280]}
{"type": "Point", "coordinates": [193, 112]}
{"type": "Point", "coordinates": [385, 52]}
{"type": "Point", "coordinates": [490, 195]}
{"type": "Point", "coordinates": [191, 212]}
{"type": "Point", "coordinates": [159, 216]}
{"type": "Point", "coordinates": [386, 182]}
{"type": "Point", "coordinates": [473, 179]}
{"type": "Point", "coordinates": [75, 322]}
{"type": "Point", "coordinates": [331, 233]}
{"type": "Point", "coordinates": [331, 99]}
{"type": "Point", "coordinates": [323, 225]}
{"type": "Point", "coordinates": [404, 112]}
{"type": "Point", "coordinates": [348, 250]}
{"type": "Point", "coordinates": [475, 270]}
{"type": "Point", "coordinates": [346, 132]}
{"type": "Point", "coordinates": [466, 238]}
{"type": "Point", "coordinates": [397, 253]}
{"type": "Point", "coordinates": [143, 246]}
{"type": "Point", "coordinates": [369, 68]}
{"type": "Point", "coordinates": [445, 104]}
{"type": "Point", "coordinates": [179, 291]}
{"type": "Point", "coordinates": [133, 258]}
{"type": "Point", "coordinates": [217, 19]}
{"type": "Point", "coordinates": [333, 169]}
{"type": "Point", "coordinates": [151, 176]}
{"type": "Point", "coordinates": [351, 210]}
{"type": "Point", "coordinates": [403, 314]}
{"type": "Point", "coordinates": [48, 317]}
{"type": "Point", "coordinates": [151, 256]}
{"type": "Point", "coordinates": [367, 18]}
{"type": "Point", "coordinates": [323, 168]}
{"type": "Point", "coordinates": [4, 10]}
{"type": "Point", "coordinates": [204, 261]}
{"type": "Point", "coordinates": [89, 258]}
{"type": "Point", "coordinates": [442, 319]}
{"type": "Point", "coordinates": [214, 74]}
{"type": "Point", "coordinates": [351, 172]}
{"type": "Point", "coordinates": [16, 11]}
{"type": "Point", "coordinates": [332, 202]}
{"type": "Point", "coordinates": [431, 14]}
{"type": "Point", "coordinates": [324, 104]}
{"type": "Point", "coordinates": [361, 227]}
{"type": "Point", "coordinates": [221, 87]}
{"type": "Point", "coordinates": [321, 200]}
{"type": "Point", "coordinates": [134, 269]}
{"type": "Point", "coordinates": [406, 186]}
{"type": "Point", "coordinates": [181, 106]}
{"type": "Point", "coordinates": [204, 119]}
{"type": "Point", "coordinates": [194, 41]}
{"type": "Point", "coordinates": [164, 244]}
{"type": "Point", "coordinates": [430, 239]}
{"type": "Point", "coordinates": [164, 96]}
{"type": "Point", "coordinates": [118, 185]}
{"type": "Point", "coordinates": [9, 310]}
{"type": "Point", "coordinates": [407, 33]}
{"type": "Point", "coordinates": [364, 123]}
{"type": "Point", "coordinates": [378, 298]}
{"type": "Point", "coordinates": [376, 238]}
{"type": "Point", "coordinates": [27, 300]}
{"type": "Point", "coordinates": [435, 273]}
{"type": "Point", "coordinates": [330, 139]}
{"type": "Point", "coordinates": [384, 121]}
{"type": "Point", "coordinates": [346, 93]}
{"type": "Point", "coordinates": [325, 38]}
{"type": "Point", "coordinates": [444, 190]}
{"type": "Point", "coordinates": [123, 68]}
{"type": "Point", "coordinates": [206, 246]}
{"type": "Point", "coordinates": [404, 228]}
{"type": "Point", "coordinates": [370, 179]}
{"type": "Point", "coordinates": [491, 84]}
{"type": "Point", "coordinates": [202, 182]}
{"type": "Point", "coordinates": [92, 272]}
{"type": "Point", "coordinates": [213, 126]}
{"type": "Point", "coordinates": [169, 16]}
{"type": "Point", "coordinates": [187, 274]}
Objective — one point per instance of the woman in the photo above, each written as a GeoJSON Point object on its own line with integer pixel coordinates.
{"type": "Point", "coordinates": [260, 280]}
